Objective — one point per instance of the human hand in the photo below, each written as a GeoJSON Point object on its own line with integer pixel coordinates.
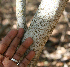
{"type": "Point", "coordinates": [8, 48]}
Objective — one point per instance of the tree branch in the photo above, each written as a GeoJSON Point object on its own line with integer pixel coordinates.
{"type": "Point", "coordinates": [42, 25]}
{"type": "Point", "coordinates": [21, 13]}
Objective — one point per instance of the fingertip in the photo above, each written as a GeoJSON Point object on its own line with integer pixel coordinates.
{"type": "Point", "coordinates": [32, 52]}
{"type": "Point", "coordinates": [20, 32]}
{"type": "Point", "coordinates": [11, 34]}
{"type": "Point", "coordinates": [21, 29]}
{"type": "Point", "coordinates": [30, 39]}
{"type": "Point", "coordinates": [13, 31]}
{"type": "Point", "coordinates": [30, 55]}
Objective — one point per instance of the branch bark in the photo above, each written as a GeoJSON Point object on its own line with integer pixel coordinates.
{"type": "Point", "coordinates": [21, 14]}
{"type": "Point", "coordinates": [42, 25]}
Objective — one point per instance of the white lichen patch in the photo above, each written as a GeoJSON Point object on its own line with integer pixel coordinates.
{"type": "Point", "coordinates": [42, 25]}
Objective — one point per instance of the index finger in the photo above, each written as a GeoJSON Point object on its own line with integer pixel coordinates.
{"type": "Point", "coordinates": [7, 40]}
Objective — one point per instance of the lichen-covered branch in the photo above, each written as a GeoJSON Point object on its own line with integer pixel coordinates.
{"type": "Point", "coordinates": [42, 25]}
{"type": "Point", "coordinates": [21, 13]}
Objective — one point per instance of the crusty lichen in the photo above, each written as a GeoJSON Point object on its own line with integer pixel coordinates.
{"type": "Point", "coordinates": [42, 25]}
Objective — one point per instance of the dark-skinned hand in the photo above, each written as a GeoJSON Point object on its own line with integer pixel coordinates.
{"type": "Point", "coordinates": [8, 50]}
